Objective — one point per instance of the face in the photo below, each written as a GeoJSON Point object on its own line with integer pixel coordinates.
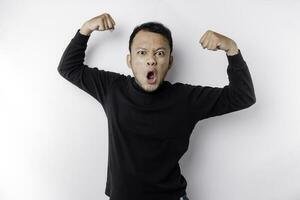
{"type": "Point", "coordinates": [149, 59]}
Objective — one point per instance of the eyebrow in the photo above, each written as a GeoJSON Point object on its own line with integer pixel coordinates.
{"type": "Point", "coordinates": [155, 50]}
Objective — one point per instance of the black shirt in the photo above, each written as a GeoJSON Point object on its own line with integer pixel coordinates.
{"type": "Point", "coordinates": [149, 131]}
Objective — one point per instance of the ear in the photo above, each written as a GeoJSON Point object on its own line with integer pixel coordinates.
{"type": "Point", "coordinates": [171, 62]}
{"type": "Point", "coordinates": [129, 61]}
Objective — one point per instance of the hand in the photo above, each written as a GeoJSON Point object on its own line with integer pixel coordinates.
{"type": "Point", "coordinates": [100, 23]}
{"type": "Point", "coordinates": [215, 41]}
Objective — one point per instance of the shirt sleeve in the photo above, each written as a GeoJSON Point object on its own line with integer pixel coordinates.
{"type": "Point", "coordinates": [92, 80]}
{"type": "Point", "coordinates": [206, 101]}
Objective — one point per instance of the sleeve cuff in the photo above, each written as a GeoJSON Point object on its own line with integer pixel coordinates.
{"type": "Point", "coordinates": [80, 38]}
{"type": "Point", "coordinates": [236, 61]}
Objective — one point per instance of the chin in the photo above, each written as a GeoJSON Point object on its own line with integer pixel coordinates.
{"type": "Point", "coordinates": [150, 88]}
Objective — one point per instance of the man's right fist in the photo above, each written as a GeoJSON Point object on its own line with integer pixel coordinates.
{"type": "Point", "coordinates": [100, 23]}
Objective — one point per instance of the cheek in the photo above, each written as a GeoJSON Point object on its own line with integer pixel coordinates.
{"type": "Point", "coordinates": [164, 66]}
{"type": "Point", "coordinates": [139, 60]}
{"type": "Point", "coordinates": [163, 62]}
{"type": "Point", "coordinates": [138, 69]}
{"type": "Point", "coordinates": [138, 64]}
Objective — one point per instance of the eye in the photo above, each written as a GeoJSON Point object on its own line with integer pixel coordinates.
{"type": "Point", "coordinates": [141, 52]}
{"type": "Point", "coordinates": [161, 53]}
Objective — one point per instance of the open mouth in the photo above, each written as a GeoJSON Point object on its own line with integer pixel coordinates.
{"type": "Point", "coordinates": [151, 77]}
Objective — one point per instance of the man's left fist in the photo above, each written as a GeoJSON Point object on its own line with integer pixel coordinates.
{"type": "Point", "coordinates": [215, 41]}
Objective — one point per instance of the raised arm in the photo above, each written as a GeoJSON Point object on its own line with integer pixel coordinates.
{"type": "Point", "coordinates": [239, 94]}
{"type": "Point", "coordinates": [71, 66]}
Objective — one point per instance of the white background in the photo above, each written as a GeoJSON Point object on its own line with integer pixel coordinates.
{"type": "Point", "coordinates": [53, 136]}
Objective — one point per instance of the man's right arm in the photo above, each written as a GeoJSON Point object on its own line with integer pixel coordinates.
{"type": "Point", "coordinates": [71, 66]}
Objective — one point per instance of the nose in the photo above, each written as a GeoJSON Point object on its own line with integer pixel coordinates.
{"type": "Point", "coordinates": [151, 61]}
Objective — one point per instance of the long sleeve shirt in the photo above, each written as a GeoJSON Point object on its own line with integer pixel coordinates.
{"type": "Point", "coordinates": [149, 132]}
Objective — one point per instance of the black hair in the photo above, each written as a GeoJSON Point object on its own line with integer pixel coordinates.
{"type": "Point", "coordinates": [155, 27]}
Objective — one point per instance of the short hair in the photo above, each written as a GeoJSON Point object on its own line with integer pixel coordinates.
{"type": "Point", "coordinates": [155, 27]}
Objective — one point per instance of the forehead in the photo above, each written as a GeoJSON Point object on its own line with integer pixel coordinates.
{"type": "Point", "coordinates": [147, 39]}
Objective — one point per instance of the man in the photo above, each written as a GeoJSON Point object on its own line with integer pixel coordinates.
{"type": "Point", "coordinates": [149, 119]}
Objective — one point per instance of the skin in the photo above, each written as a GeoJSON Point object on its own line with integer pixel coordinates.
{"type": "Point", "coordinates": [140, 61]}
{"type": "Point", "coordinates": [149, 51]}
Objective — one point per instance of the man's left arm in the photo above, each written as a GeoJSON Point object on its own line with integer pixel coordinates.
{"type": "Point", "coordinates": [238, 94]}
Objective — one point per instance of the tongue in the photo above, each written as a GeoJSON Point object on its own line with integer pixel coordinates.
{"type": "Point", "coordinates": [150, 75]}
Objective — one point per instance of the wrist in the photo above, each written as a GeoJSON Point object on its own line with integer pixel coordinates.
{"type": "Point", "coordinates": [232, 50]}
{"type": "Point", "coordinates": [85, 31]}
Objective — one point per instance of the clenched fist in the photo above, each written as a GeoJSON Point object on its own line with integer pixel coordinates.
{"type": "Point", "coordinates": [100, 23]}
{"type": "Point", "coordinates": [215, 41]}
